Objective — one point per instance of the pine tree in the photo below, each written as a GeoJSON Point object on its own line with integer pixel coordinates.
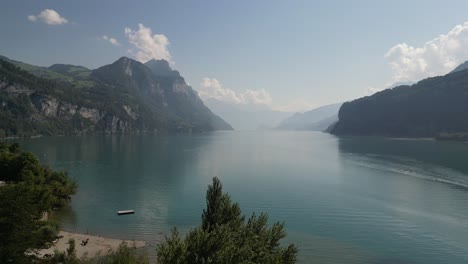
{"type": "Point", "coordinates": [225, 236]}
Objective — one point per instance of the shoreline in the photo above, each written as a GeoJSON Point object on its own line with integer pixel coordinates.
{"type": "Point", "coordinates": [96, 245]}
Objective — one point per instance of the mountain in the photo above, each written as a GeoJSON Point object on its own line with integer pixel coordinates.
{"type": "Point", "coordinates": [426, 109]}
{"type": "Point", "coordinates": [122, 97]}
{"type": "Point", "coordinates": [318, 119]}
{"type": "Point", "coordinates": [401, 84]}
{"type": "Point", "coordinates": [38, 70]}
{"type": "Point", "coordinates": [246, 117]}
{"type": "Point", "coordinates": [71, 70]}
{"type": "Point", "coordinates": [460, 67]}
{"type": "Point", "coordinates": [162, 68]}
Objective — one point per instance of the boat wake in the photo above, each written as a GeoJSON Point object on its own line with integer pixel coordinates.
{"type": "Point", "coordinates": [411, 167]}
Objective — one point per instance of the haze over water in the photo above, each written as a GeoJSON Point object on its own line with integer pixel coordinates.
{"type": "Point", "coordinates": [344, 200]}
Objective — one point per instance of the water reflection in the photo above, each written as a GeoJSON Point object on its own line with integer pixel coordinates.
{"type": "Point", "coordinates": [143, 173]}
{"type": "Point", "coordinates": [448, 154]}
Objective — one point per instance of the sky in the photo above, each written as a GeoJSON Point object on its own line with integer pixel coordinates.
{"type": "Point", "coordinates": [287, 55]}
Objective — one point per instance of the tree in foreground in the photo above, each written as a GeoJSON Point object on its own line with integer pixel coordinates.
{"type": "Point", "coordinates": [31, 188]}
{"type": "Point", "coordinates": [226, 237]}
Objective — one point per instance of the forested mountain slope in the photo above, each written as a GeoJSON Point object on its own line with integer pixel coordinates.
{"type": "Point", "coordinates": [123, 97]}
{"type": "Point", "coordinates": [430, 107]}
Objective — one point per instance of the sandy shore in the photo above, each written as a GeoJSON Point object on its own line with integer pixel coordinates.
{"type": "Point", "coordinates": [96, 245]}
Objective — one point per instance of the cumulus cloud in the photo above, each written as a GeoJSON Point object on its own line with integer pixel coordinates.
{"type": "Point", "coordinates": [48, 16]}
{"type": "Point", "coordinates": [111, 40]}
{"type": "Point", "coordinates": [146, 45]}
{"type": "Point", "coordinates": [259, 97]}
{"type": "Point", "coordinates": [436, 57]}
{"type": "Point", "coordinates": [212, 88]}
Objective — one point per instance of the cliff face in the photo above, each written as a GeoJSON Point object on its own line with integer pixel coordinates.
{"type": "Point", "coordinates": [123, 97]}
{"type": "Point", "coordinates": [50, 107]}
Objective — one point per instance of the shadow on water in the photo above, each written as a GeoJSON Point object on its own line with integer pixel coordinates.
{"type": "Point", "coordinates": [448, 154]}
{"type": "Point", "coordinates": [443, 162]}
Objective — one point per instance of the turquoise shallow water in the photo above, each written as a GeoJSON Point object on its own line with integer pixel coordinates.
{"type": "Point", "coordinates": [344, 200]}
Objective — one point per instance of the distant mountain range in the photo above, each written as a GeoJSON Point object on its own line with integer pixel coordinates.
{"type": "Point", "coordinates": [123, 97]}
{"type": "Point", "coordinates": [426, 109]}
{"type": "Point", "coordinates": [246, 117]}
{"type": "Point", "coordinates": [318, 119]}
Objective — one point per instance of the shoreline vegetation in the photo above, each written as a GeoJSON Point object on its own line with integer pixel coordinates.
{"type": "Point", "coordinates": [95, 246]}
{"type": "Point", "coordinates": [30, 190]}
{"type": "Point", "coordinates": [460, 136]}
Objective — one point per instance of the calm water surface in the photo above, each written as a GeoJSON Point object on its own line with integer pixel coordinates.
{"type": "Point", "coordinates": [344, 200]}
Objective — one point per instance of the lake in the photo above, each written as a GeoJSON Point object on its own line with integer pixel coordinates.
{"type": "Point", "coordinates": [344, 200]}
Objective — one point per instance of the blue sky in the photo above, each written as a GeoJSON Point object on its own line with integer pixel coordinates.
{"type": "Point", "coordinates": [288, 55]}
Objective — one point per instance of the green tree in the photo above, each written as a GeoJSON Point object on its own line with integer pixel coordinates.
{"type": "Point", "coordinates": [53, 188]}
{"type": "Point", "coordinates": [19, 222]}
{"type": "Point", "coordinates": [31, 189]}
{"type": "Point", "coordinates": [71, 252]}
{"type": "Point", "coordinates": [123, 255]}
{"type": "Point", "coordinates": [225, 236]}
{"type": "Point", "coordinates": [68, 257]}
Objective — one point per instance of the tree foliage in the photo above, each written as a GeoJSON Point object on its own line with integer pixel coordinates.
{"type": "Point", "coordinates": [225, 236]}
{"type": "Point", "coordinates": [31, 189]}
{"type": "Point", "coordinates": [19, 222]}
{"type": "Point", "coordinates": [123, 255]}
{"type": "Point", "coordinates": [52, 188]}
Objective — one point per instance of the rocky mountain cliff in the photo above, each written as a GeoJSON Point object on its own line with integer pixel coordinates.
{"type": "Point", "coordinates": [123, 97]}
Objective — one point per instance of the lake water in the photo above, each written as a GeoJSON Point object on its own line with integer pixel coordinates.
{"type": "Point", "coordinates": [344, 200]}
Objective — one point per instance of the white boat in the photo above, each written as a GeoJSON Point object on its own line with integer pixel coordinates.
{"type": "Point", "coordinates": [124, 212]}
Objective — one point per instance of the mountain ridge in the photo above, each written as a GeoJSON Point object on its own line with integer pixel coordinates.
{"type": "Point", "coordinates": [426, 109]}
{"type": "Point", "coordinates": [460, 67]}
{"type": "Point", "coordinates": [317, 119]}
{"type": "Point", "coordinates": [122, 97]}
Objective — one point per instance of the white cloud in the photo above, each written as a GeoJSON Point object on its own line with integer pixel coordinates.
{"type": "Point", "coordinates": [32, 18]}
{"type": "Point", "coordinates": [146, 45]}
{"type": "Point", "coordinates": [212, 88]}
{"type": "Point", "coordinates": [258, 97]}
{"type": "Point", "coordinates": [48, 16]}
{"type": "Point", "coordinates": [436, 57]}
{"type": "Point", "coordinates": [111, 40]}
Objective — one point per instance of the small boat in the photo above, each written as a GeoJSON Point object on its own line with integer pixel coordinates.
{"type": "Point", "coordinates": [125, 212]}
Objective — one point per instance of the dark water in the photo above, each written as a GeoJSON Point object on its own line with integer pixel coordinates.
{"type": "Point", "coordinates": [344, 200]}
